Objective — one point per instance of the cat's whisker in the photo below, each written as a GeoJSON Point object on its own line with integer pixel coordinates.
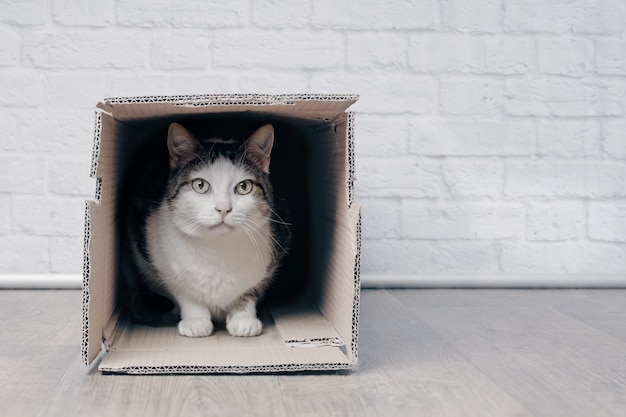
{"type": "Point", "coordinates": [254, 242]}
{"type": "Point", "coordinates": [280, 222]}
{"type": "Point", "coordinates": [248, 224]}
{"type": "Point", "coordinates": [280, 219]}
{"type": "Point", "coordinates": [271, 237]}
{"type": "Point", "coordinates": [199, 157]}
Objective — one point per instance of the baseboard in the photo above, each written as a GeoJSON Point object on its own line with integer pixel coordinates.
{"type": "Point", "coordinates": [495, 281]}
{"type": "Point", "coordinates": [40, 281]}
{"type": "Point", "coordinates": [74, 281]}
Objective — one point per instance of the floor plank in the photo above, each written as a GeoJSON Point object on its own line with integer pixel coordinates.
{"type": "Point", "coordinates": [422, 352]}
{"type": "Point", "coordinates": [548, 361]}
{"type": "Point", "coordinates": [405, 369]}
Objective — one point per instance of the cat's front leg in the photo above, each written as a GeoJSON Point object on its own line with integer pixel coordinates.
{"type": "Point", "coordinates": [195, 319]}
{"type": "Point", "coordinates": [241, 319]}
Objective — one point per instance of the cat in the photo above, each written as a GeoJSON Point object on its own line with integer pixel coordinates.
{"type": "Point", "coordinates": [210, 242]}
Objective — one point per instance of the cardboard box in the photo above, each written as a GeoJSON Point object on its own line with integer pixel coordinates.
{"type": "Point", "coordinates": [313, 330]}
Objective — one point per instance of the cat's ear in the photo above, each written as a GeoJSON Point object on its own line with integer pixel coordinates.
{"type": "Point", "coordinates": [258, 147]}
{"type": "Point", "coordinates": [182, 145]}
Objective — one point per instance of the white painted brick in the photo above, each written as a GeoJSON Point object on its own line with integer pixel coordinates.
{"type": "Point", "coordinates": [5, 214]}
{"type": "Point", "coordinates": [555, 221]}
{"type": "Point", "coordinates": [180, 50]}
{"type": "Point", "coordinates": [471, 96]}
{"type": "Point", "coordinates": [473, 177]}
{"type": "Point", "coordinates": [562, 16]}
{"type": "Point", "coordinates": [508, 56]}
{"type": "Point", "coordinates": [607, 221]}
{"type": "Point", "coordinates": [565, 56]}
{"type": "Point", "coordinates": [48, 216]}
{"type": "Point", "coordinates": [139, 84]}
{"type": "Point", "coordinates": [603, 17]}
{"type": "Point", "coordinates": [88, 49]}
{"type": "Point", "coordinates": [470, 54]}
{"type": "Point", "coordinates": [186, 14]}
{"type": "Point", "coordinates": [51, 130]}
{"type": "Point", "coordinates": [542, 16]}
{"type": "Point", "coordinates": [499, 119]}
{"type": "Point", "coordinates": [569, 138]}
{"type": "Point", "coordinates": [23, 12]}
{"type": "Point", "coordinates": [613, 91]}
{"type": "Point", "coordinates": [269, 82]}
{"type": "Point", "coordinates": [381, 217]}
{"type": "Point", "coordinates": [391, 256]}
{"type": "Point", "coordinates": [9, 136]}
{"type": "Point", "coordinates": [24, 254]}
{"type": "Point", "coordinates": [22, 173]}
{"type": "Point", "coordinates": [69, 176]}
{"type": "Point", "coordinates": [504, 55]}
{"type": "Point", "coordinates": [563, 258]}
{"type": "Point", "coordinates": [462, 220]}
{"type": "Point", "coordinates": [9, 48]}
{"type": "Point", "coordinates": [367, 50]}
{"type": "Point", "coordinates": [563, 97]}
{"type": "Point", "coordinates": [289, 49]}
{"type": "Point", "coordinates": [614, 138]}
{"type": "Point", "coordinates": [399, 177]}
{"type": "Point", "coordinates": [472, 15]}
{"type": "Point", "coordinates": [463, 258]}
{"type": "Point", "coordinates": [83, 13]}
{"type": "Point", "coordinates": [472, 137]}
{"type": "Point", "coordinates": [21, 89]}
{"type": "Point", "coordinates": [552, 179]}
{"type": "Point", "coordinates": [611, 56]}
{"type": "Point", "coordinates": [375, 14]}
{"type": "Point", "coordinates": [281, 14]}
{"type": "Point", "coordinates": [438, 53]}
{"type": "Point", "coordinates": [75, 90]}
{"type": "Point", "coordinates": [381, 92]}
{"type": "Point", "coordinates": [66, 255]}
{"type": "Point", "coordinates": [381, 136]}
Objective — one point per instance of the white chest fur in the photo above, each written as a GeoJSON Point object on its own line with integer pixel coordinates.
{"type": "Point", "coordinates": [214, 272]}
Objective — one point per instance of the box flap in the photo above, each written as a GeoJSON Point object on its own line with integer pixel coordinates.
{"type": "Point", "coordinates": [92, 326]}
{"type": "Point", "coordinates": [319, 106]}
{"type": "Point", "coordinates": [142, 349]}
{"type": "Point", "coordinates": [341, 293]}
{"type": "Point", "coordinates": [302, 325]}
{"type": "Point", "coordinates": [224, 361]}
{"type": "Point", "coordinates": [99, 246]}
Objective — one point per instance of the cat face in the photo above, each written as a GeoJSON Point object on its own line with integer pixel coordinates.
{"type": "Point", "coordinates": [221, 188]}
{"type": "Point", "coordinates": [219, 198]}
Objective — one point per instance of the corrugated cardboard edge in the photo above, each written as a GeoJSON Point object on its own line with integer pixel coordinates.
{"type": "Point", "coordinates": [87, 238]}
{"type": "Point", "coordinates": [85, 289]}
{"type": "Point", "coordinates": [261, 369]}
{"type": "Point", "coordinates": [231, 99]}
{"type": "Point", "coordinates": [357, 262]}
{"type": "Point", "coordinates": [357, 295]}
{"type": "Point", "coordinates": [226, 99]}
{"type": "Point", "coordinates": [95, 154]}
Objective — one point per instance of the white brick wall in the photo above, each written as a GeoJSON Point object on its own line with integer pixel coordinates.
{"type": "Point", "coordinates": [491, 134]}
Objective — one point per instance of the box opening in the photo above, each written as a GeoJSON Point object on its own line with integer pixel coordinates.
{"type": "Point", "coordinates": [313, 301]}
{"type": "Point", "coordinates": [301, 173]}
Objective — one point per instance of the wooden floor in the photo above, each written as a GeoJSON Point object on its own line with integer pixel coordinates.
{"type": "Point", "coordinates": [422, 352]}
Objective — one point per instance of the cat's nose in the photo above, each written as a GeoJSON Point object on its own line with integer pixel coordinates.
{"type": "Point", "coordinates": [223, 209]}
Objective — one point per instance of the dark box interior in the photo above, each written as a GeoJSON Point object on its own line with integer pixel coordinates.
{"type": "Point", "coordinates": [301, 172]}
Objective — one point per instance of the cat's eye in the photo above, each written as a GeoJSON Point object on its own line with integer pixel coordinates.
{"type": "Point", "coordinates": [244, 187]}
{"type": "Point", "coordinates": [200, 186]}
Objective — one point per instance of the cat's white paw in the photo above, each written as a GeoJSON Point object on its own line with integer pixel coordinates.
{"type": "Point", "coordinates": [244, 326]}
{"type": "Point", "coordinates": [195, 327]}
